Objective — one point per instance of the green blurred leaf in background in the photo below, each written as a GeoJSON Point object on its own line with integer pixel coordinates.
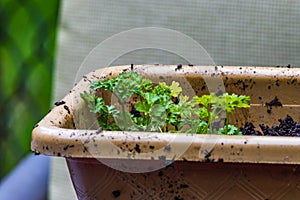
{"type": "Point", "coordinates": [27, 49]}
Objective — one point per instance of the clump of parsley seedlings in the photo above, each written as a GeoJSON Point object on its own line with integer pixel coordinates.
{"type": "Point", "coordinates": [160, 107]}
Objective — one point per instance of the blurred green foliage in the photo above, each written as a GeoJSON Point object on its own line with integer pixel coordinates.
{"type": "Point", "coordinates": [27, 44]}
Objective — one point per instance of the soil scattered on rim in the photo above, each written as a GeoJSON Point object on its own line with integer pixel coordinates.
{"type": "Point", "coordinates": [179, 66]}
{"type": "Point", "coordinates": [287, 66]}
{"type": "Point", "coordinates": [58, 103]}
{"type": "Point", "coordinates": [275, 102]}
{"type": "Point", "coordinates": [286, 127]}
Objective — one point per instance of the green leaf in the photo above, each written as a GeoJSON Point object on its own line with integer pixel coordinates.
{"type": "Point", "coordinates": [202, 127]}
{"type": "Point", "coordinates": [203, 113]}
{"type": "Point", "coordinates": [204, 100]}
{"type": "Point", "coordinates": [127, 85]}
{"type": "Point", "coordinates": [162, 89]}
{"type": "Point", "coordinates": [142, 107]}
{"type": "Point", "coordinates": [107, 84]}
{"type": "Point", "coordinates": [157, 110]}
{"type": "Point", "coordinates": [230, 130]}
{"type": "Point", "coordinates": [150, 98]}
{"type": "Point", "coordinates": [175, 89]}
{"type": "Point", "coordinates": [124, 121]}
{"type": "Point", "coordinates": [235, 101]}
{"type": "Point", "coordinates": [146, 85]}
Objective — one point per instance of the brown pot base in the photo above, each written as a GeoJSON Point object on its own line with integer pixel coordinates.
{"type": "Point", "coordinates": [186, 180]}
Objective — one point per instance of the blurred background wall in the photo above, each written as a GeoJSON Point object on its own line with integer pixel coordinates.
{"type": "Point", "coordinates": [27, 46]}
{"type": "Point", "coordinates": [234, 32]}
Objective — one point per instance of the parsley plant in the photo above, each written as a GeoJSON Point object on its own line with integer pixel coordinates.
{"type": "Point", "coordinates": [160, 107]}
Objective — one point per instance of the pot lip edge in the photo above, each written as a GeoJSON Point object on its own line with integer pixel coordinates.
{"type": "Point", "coordinates": [258, 148]}
{"type": "Point", "coordinates": [239, 139]}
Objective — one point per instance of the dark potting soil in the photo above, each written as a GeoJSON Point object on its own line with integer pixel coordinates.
{"type": "Point", "coordinates": [286, 127]}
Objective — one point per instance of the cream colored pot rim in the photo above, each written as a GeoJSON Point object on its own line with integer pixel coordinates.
{"type": "Point", "coordinates": [52, 137]}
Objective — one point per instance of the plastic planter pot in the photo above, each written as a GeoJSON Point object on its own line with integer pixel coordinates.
{"type": "Point", "coordinates": [139, 165]}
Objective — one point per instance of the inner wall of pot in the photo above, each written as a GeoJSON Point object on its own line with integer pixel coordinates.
{"type": "Point", "coordinates": [262, 89]}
